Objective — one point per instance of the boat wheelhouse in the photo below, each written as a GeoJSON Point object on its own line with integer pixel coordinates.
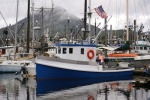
{"type": "Point", "coordinates": [76, 61]}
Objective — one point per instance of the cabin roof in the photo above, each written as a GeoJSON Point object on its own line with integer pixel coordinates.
{"type": "Point", "coordinates": [109, 48]}
{"type": "Point", "coordinates": [6, 47]}
{"type": "Point", "coordinates": [76, 45]}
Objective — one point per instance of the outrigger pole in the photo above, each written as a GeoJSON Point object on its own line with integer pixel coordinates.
{"type": "Point", "coordinates": [101, 30]}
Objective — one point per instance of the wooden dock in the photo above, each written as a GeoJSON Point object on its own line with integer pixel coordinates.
{"type": "Point", "coordinates": [139, 71]}
{"type": "Point", "coordinates": [141, 79]}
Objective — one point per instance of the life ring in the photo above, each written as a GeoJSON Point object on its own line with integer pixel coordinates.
{"type": "Point", "coordinates": [88, 54]}
{"type": "Point", "coordinates": [90, 98]}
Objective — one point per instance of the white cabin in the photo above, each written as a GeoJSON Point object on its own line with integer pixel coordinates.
{"type": "Point", "coordinates": [141, 47]}
{"type": "Point", "coordinates": [79, 52]}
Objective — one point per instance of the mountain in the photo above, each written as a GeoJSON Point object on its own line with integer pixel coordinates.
{"type": "Point", "coordinates": [56, 21]}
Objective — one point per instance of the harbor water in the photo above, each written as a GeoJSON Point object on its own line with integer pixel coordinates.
{"type": "Point", "coordinates": [14, 87]}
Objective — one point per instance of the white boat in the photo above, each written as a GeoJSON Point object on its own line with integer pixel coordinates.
{"type": "Point", "coordinates": [12, 66]}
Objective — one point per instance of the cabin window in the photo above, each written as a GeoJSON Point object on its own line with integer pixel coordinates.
{"type": "Point", "coordinates": [141, 48]}
{"type": "Point", "coordinates": [137, 48]}
{"type": "Point", "coordinates": [82, 50]}
{"type": "Point", "coordinates": [70, 50]}
{"type": "Point", "coordinates": [59, 50]}
{"type": "Point", "coordinates": [56, 50]}
{"type": "Point", "coordinates": [145, 48]}
{"type": "Point", "coordinates": [3, 51]}
{"type": "Point", "coordinates": [64, 50]}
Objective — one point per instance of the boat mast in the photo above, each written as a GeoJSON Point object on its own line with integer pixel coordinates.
{"type": "Point", "coordinates": [33, 24]}
{"type": "Point", "coordinates": [85, 15]}
{"type": "Point", "coordinates": [89, 15]}
{"type": "Point", "coordinates": [127, 28]}
{"type": "Point", "coordinates": [16, 30]}
{"type": "Point", "coordinates": [28, 27]}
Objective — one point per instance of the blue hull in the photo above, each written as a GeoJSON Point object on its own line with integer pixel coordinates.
{"type": "Point", "coordinates": [48, 72]}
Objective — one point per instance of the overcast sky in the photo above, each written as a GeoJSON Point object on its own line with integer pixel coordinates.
{"type": "Point", "coordinates": [138, 10]}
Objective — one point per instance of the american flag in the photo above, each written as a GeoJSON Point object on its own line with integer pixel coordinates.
{"type": "Point", "coordinates": [101, 12]}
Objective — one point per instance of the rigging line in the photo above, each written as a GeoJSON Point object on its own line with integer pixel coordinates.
{"type": "Point", "coordinates": [6, 23]}
{"type": "Point", "coordinates": [45, 3]}
{"type": "Point", "coordinates": [146, 12]}
{"type": "Point", "coordinates": [108, 6]}
{"type": "Point", "coordinates": [9, 8]}
{"type": "Point", "coordinates": [39, 1]}
{"type": "Point", "coordinates": [135, 9]}
{"type": "Point", "coordinates": [119, 12]}
{"type": "Point", "coordinates": [50, 19]}
{"type": "Point", "coordinates": [23, 2]}
{"type": "Point", "coordinates": [143, 13]}
{"type": "Point", "coordinates": [116, 19]}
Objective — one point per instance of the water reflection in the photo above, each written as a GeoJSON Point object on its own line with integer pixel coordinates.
{"type": "Point", "coordinates": [14, 87]}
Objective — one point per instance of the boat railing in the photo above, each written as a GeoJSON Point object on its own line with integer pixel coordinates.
{"type": "Point", "coordinates": [57, 59]}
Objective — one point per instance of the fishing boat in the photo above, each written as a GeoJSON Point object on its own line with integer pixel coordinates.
{"type": "Point", "coordinates": [77, 60]}
{"type": "Point", "coordinates": [138, 56]}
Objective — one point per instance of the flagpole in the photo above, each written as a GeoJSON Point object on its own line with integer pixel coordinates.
{"type": "Point", "coordinates": [89, 15]}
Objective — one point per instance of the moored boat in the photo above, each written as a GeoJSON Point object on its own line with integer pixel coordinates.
{"type": "Point", "coordinates": [76, 61]}
{"type": "Point", "coordinates": [12, 66]}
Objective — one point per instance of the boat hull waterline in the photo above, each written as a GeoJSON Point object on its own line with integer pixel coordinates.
{"type": "Point", "coordinates": [44, 71]}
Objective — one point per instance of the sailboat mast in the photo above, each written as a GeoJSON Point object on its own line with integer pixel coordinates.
{"type": "Point", "coordinates": [16, 30]}
{"type": "Point", "coordinates": [127, 17]}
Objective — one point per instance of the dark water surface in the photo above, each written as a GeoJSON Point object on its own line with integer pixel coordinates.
{"type": "Point", "coordinates": [14, 87]}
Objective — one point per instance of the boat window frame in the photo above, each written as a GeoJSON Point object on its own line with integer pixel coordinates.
{"type": "Point", "coordinates": [145, 48]}
{"type": "Point", "coordinates": [70, 50]}
{"type": "Point", "coordinates": [141, 48]}
{"type": "Point", "coordinates": [56, 50]}
{"type": "Point", "coordinates": [82, 51]}
{"type": "Point", "coordinates": [64, 50]}
{"type": "Point", "coordinates": [59, 50]}
{"type": "Point", "coordinates": [137, 48]}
